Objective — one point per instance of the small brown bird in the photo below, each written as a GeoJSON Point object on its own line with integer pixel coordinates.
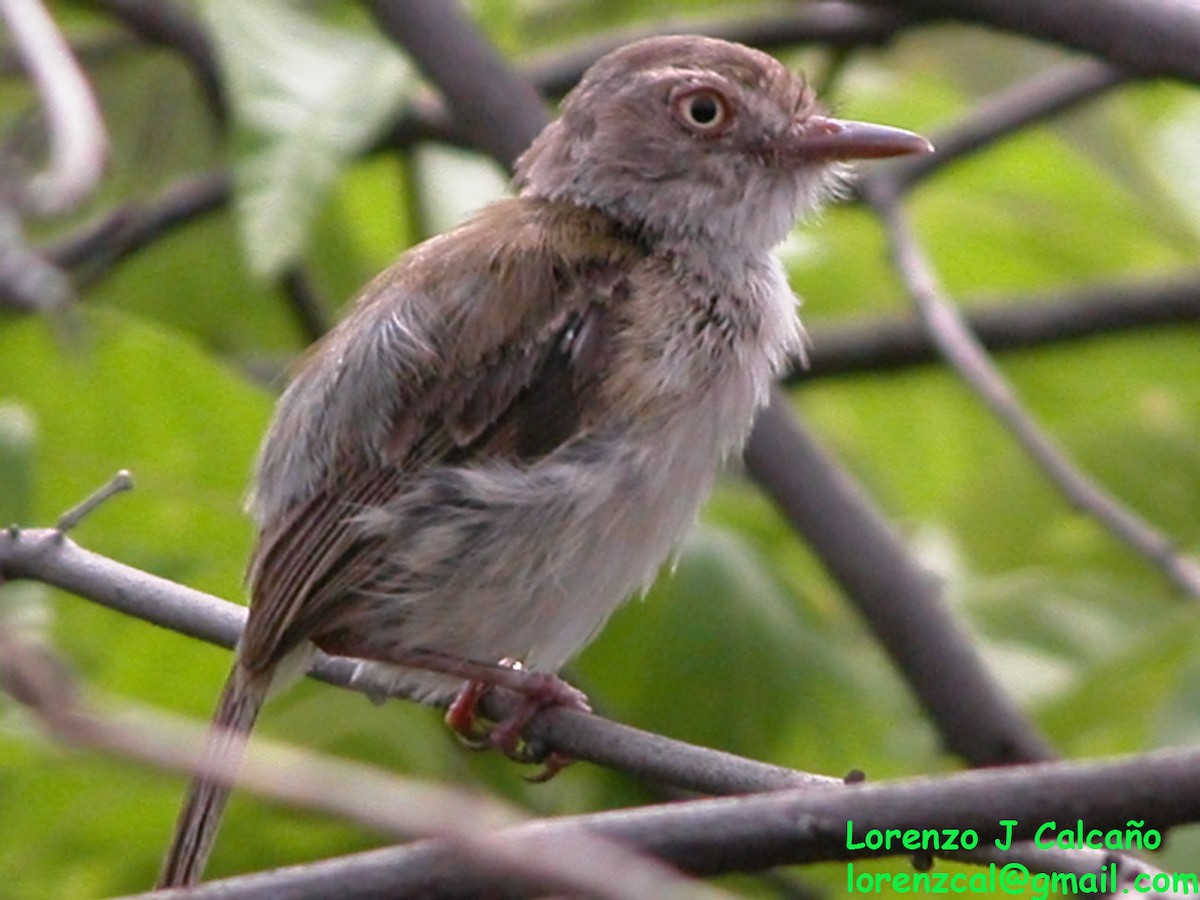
{"type": "Point", "coordinates": [517, 422]}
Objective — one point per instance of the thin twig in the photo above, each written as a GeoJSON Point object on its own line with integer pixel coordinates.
{"type": "Point", "coordinates": [120, 482]}
{"type": "Point", "coordinates": [963, 351]}
{"type": "Point", "coordinates": [78, 146]}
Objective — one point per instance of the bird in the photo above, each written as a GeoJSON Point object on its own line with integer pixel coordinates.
{"type": "Point", "coordinates": [516, 423]}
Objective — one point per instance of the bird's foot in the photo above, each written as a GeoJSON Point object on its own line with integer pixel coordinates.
{"type": "Point", "coordinates": [538, 690]}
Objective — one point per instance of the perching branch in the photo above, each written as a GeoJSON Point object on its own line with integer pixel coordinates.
{"type": "Point", "coordinates": [52, 558]}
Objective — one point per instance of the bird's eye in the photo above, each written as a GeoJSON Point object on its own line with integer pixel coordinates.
{"type": "Point", "coordinates": [703, 111]}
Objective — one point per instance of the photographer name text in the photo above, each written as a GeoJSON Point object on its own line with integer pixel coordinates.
{"type": "Point", "coordinates": [1048, 836]}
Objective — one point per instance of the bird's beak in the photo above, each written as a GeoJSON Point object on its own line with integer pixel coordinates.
{"type": "Point", "coordinates": [821, 138]}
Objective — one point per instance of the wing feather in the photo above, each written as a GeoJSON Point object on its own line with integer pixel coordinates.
{"type": "Point", "coordinates": [472, 347]}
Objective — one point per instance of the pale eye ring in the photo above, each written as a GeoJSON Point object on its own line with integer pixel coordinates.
{"type": "Point", "coordinates": [703, 110]}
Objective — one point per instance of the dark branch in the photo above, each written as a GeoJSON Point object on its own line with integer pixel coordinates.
{"type": "Point", "coordinates": [882, 344]}
{"type": "Point", "coordinates": [1150, 37]}
{"type": "Point", "coordinates": [498, 110]}
{"type": "Point", "coordinates": [97, 247]}
{"type": "Point", "coordinates": [304, 303]}
{"type": "Point", "coordinates": [709, 837]}
{"type": "Point", "coordinates": [169, 24]}
{"type": "Point", "coordinates": [830, 24]}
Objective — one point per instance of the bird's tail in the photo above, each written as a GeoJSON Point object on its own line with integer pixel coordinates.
{"type": "Point", "coordinates": [196, 828]}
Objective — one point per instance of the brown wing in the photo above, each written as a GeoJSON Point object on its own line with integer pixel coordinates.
{"type": "Point", "coordinates": [522, 360]}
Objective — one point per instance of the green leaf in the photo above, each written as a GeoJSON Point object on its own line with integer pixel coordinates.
{"type": "Point", "coordinates": [1174, 150]}
{"type": "Point", "coordinates": [308, 97]}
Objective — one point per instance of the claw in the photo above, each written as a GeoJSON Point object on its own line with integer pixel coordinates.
{"type": "Point", "coordinates": [463, 717]}
{"type": "Point", "coordinates": [552, 764]}
{"type": "Point", "coordinates": [540, 691]}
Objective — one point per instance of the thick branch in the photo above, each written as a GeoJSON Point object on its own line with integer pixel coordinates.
{"type": "Point", "coordinates": [900, 602]}
{"type": "Point", "coordinates": [498, 110]}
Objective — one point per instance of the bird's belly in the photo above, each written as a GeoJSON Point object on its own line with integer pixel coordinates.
{"type": "Point", "coordinates": [527, 562]}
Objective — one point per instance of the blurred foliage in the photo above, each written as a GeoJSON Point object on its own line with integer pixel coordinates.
{"type": "Point", "coordinates": [168, 367]}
